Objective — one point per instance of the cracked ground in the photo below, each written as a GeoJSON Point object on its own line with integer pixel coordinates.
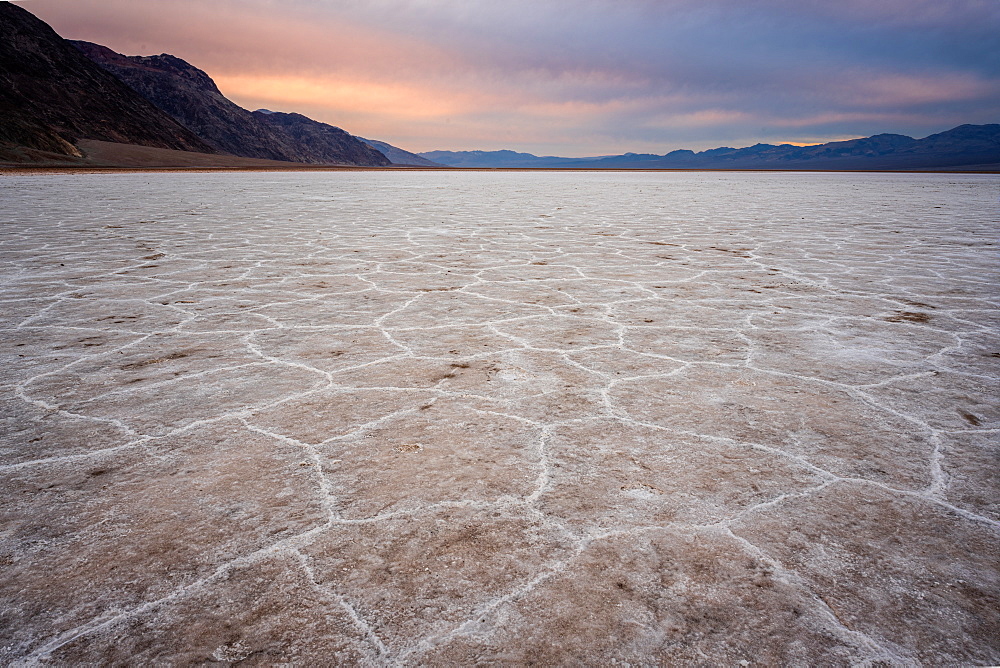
{"type": "Point", "coordinates": [389, 418]}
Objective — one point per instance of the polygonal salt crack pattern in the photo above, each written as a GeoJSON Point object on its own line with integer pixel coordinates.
{"type": "Point", "coordinates": [404, 418]}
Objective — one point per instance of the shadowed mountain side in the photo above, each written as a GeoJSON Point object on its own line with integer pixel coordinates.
{"type": "Point", "coordinates": [398, 156]}
{"type": "Point", "coordinates": [325, 143]}
{"type": "Point", "coordinates": [966, 146]}
{"type": "Point", "coordinates": [192, 98]}
{"type": "Point", "coordinates": [51, 95]}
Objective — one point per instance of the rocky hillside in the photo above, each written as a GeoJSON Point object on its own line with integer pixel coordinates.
{"type": "Point", "coordinates": [191, 97]}
{"type": "Point", "coordinates": [324, 143]}
{"type": "Point", "coordinates": [51, 96]}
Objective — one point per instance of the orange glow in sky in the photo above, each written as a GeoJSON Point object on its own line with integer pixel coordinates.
{"type": "Point", "coordinates": [562, 77]}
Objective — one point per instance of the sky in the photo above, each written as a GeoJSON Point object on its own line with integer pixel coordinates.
{"type": "Point", "coordinates": [578, 78]}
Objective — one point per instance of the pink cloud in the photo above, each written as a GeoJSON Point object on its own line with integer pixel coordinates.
{"type": "Point", "coordinates": [592, 77]}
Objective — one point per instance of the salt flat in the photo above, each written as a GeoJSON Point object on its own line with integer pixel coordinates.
{"type": "Point", "coordinates": [478, 418]}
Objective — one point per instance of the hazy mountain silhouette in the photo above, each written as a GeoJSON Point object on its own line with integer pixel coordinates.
{"type": "Point", "coordinates": [398, 156]}
{"type": "Point", "coordinates": [511, 159]}
{"type": "Point", "coordinates": [963, 147]}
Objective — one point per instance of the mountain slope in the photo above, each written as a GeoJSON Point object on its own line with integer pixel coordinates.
{"type": "Point", "coordinates": [398, 156]}
{"type": "Point", "coordinates": [964, 146]}
{"type": "Point", "coordinates": [324, 143]}
{"type": "Point", "coordinates": [191, 97]}
{"type": "Point", "coordinates": [52, 96]}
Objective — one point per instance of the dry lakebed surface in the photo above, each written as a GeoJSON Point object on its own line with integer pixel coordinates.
{"type": "Point", "coordinates": [474, 418]}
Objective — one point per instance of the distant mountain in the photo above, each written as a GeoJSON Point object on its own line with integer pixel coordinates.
{"type": "Point", "coordinates": [398, 156]}
{"type": "Point", "coordinates": [964, 147]}
{"type": "Point", "coordinates": [58, 97]}
{"type": "Point", "coordinates": [191, 97]}
{"type": "Point", "coordinates": [52, 96]}
{"type": "Point", "coordinates": [473, 159]}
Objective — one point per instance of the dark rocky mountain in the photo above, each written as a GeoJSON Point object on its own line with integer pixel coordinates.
{"type": "Point", "coordinates": [965, 147]}
{"type": "Point", "coordinates": [52, 96]}
{"type": "Point", "coordinates": [398, 156]}
{"type": "Point", "coordinates": [191, 97]}
{"type": "Point", "coordinates": [325, 143]}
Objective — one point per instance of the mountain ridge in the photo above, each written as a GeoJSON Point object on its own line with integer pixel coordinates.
{"type": "Point", "coordinates": [964, 145]}
{"type": "Point", "coordinates": [55, 94]}
{"type": "Point", "coordinates": [193, 99]}
{"type": "Point", "coordinates": [399, 156]}
{"type": "Point", "coordinates": [52, 96]}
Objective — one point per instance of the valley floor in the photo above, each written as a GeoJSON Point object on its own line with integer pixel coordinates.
{"type": "Point", "coordinates": [401, 418]}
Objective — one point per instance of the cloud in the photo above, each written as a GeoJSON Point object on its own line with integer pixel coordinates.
{"type": "Point", "coordinates": [578, 77]}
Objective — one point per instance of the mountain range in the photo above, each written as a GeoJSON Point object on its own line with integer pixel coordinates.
{"type": "Point", "coordinates": [78, 102]}
{"type": "Point", "coordinates": [64, 102]}
{"type": "Point", "coordinates": [191, 97]}
{"type": "Point", "coordinates": [969, 147]}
